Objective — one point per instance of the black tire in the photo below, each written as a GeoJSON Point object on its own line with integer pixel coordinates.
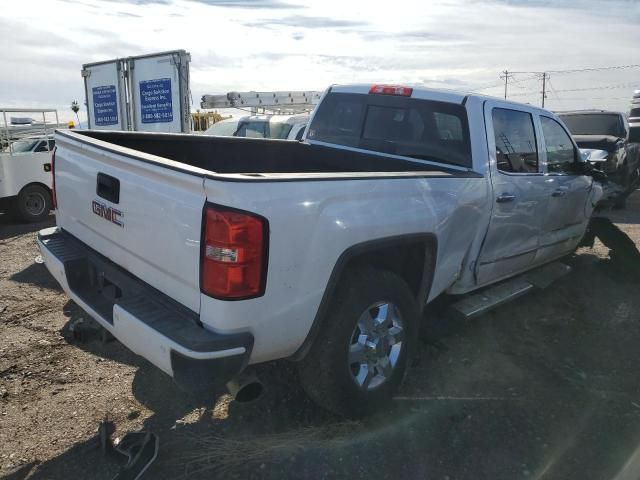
{"type": "Point", "coordinates": [326, 373]}
{"type": "Point", "coordinates": [33, 203]}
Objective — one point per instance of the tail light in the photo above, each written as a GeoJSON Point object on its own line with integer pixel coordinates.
{"type": "Point", "coordinates": [233, 259]}
{"type": "Point", "coordinates": [53, 174]}
{"type": "Point", "coordinates": [391, 90]}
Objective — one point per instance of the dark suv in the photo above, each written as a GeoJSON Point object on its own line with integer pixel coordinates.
{"type": "Point", "coordinates": [609, 131]}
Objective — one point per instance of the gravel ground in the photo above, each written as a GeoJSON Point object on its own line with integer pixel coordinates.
{"type": "Point", "coordinates": [544, 387]}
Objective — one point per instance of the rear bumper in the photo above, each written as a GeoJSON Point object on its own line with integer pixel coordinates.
{"type": "Point", "coordinates": [145, 320]}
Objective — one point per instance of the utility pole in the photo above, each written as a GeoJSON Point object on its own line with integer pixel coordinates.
{"type": "Point", "coordinates": [505, 75]}
{"type": "Point", "coordinates": [544, 87]}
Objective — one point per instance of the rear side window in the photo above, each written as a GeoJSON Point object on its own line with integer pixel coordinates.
{"type": "Point", "coordinates": [516, 147]}
{"type": "Point", "coordinates": [560, 150]}
{"type": "Point", "coordinates": [403, 126]}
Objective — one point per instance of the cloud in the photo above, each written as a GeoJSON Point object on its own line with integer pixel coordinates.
{"type": "Point", "coordinates": [260, 4]}
{"type": "Point", "coordinates": [302, 44]}
{"type": "Point", "coordinates": [304, 21]}
{"type": "Point", "coordinates": [610, 8]}
{"type": "Point", "coordinates": [127, 14]}
{"type": "Point", "coordinates": [419, 36]}
{"type": "Point", "coordinates": [132, 2]}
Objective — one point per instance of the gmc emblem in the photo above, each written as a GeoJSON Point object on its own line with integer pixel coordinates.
{"type": "Point", "coordinates": [108, 213]}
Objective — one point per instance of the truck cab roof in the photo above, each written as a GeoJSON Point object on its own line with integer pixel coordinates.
{"type": "Point", "coordinates": [433, 94]}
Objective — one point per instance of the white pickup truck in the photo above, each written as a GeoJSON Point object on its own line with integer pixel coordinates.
{"type": "Point", "coordinates": [208, 254]}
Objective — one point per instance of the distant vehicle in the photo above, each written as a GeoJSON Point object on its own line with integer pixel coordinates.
{"type": "Point", "coordinates": [209, 254]}
{"type": "Point", "coordinates": [224, 128]}
{"type": "Point", "coordinates": [608, 131]}
{"type": "Point", "coordinates": [276, 114]}
{"type": "Point", "coordinates": [283, 127]}
{"type": "Point", "coordinates": [25, 178]}
{"type": "Point", "coordinates": [25, 166]}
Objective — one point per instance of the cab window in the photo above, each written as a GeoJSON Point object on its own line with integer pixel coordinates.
{"type": "Point", "coordinates": [409, 127]}
{"type": "Point", "coordinates": [42, 147]}
{"type": "Point", "coordinates": [559, 147]}
{"type": "Point", "coordinates": [516, 147]}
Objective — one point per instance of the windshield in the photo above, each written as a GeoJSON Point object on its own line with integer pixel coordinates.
{"type": "Point", "coordinates": [222, 129]}
{"type": "Point", "coordinates": [263, 129]}
{"type": "Point", "coordinates": [22, 146]}
{"type": "Point", "coordinates": [593, 124]}
{"type": "Point", "coordinates": [414, 128]}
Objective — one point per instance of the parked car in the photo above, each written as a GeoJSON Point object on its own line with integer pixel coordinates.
{"type": "Point", "coordinates": [25, 177]}
{"type": "Point", "coordinates": [283, 127]}
{"type": "Point", "coordinates": [206, 255]}
{"type": "Point", "coordinates": [608, 131]}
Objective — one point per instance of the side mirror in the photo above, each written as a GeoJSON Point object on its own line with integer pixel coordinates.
{"type": "Point", "coordinates": [593, 155]}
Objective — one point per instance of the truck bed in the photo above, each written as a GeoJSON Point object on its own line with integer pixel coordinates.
{"type": "Point", "coordinates": [252, 157]}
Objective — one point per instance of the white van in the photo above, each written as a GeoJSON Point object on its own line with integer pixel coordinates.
{"type": "Point", "coordinates": [25, 177]}
{"type": "Point", "coordinates": [283, 127]}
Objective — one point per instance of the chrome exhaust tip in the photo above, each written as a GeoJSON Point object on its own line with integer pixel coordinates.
{"type": "Point", "coordinates": [245, 388]}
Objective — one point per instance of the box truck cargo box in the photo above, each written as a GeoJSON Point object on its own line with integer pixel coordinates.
{"type": "Point", "coordinates": [148, 93]}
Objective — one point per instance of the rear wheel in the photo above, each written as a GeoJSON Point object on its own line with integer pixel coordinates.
{"type": "Point", "coordinates": [360, 357]}
{"type": "Point", "coordinates": [33, 203]}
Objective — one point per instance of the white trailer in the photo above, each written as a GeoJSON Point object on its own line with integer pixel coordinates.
{"type": "Point", "coordinates": [147, 93]}
{"type": "Point", "coordinates": [25, 163]}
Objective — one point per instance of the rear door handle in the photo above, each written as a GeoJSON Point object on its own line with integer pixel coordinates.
{"type": "Point", "coordinates": [505, 197]}
{"type": "Point", "coordinates": [559, 193]}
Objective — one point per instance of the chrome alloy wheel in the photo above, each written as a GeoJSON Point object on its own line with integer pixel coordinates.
{"type": "Point", "coordinates": [376, 344]}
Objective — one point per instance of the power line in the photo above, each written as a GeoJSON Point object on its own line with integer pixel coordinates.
{"type": "Point", "coordinates": [590, 98]}
{"type": "Point", "coordinates": [586, 89]}
{"type": "Point", "coordinates": [588, 69]}
{"type": "Point", "coordinates": [595, 69]}
{"type": "Point", "coordinates": [602, 87]}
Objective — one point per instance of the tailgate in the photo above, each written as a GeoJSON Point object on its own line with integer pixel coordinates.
{"type": "Point", "coordinates": [140, 211]}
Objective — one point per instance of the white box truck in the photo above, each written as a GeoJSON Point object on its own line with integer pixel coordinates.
{"type": "Point", "coordinates": [147, 93]}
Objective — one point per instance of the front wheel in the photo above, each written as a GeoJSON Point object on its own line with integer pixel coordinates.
{"type": "Point", "coordinates": [33, 203]}
{"type": "Point", "coordinates": [362, 353]}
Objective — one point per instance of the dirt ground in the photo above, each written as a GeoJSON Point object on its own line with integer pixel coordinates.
{"type": "Point", "coordinates": [547, 387]}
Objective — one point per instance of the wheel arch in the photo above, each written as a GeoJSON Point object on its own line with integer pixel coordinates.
{"type": "Point", "coordinates": [411, 256]}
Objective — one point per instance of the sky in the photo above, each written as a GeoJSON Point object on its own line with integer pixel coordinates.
{"type": "Point", "coordinates": [268, 45]}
